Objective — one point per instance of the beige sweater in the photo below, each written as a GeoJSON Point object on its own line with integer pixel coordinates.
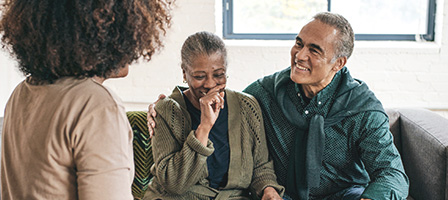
{"type": "Point", "coordinates": [68, 140]}
{"type": "Point", "coordinates": [180, 168]}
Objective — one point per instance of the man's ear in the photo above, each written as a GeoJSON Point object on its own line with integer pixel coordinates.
{"type": "Point", "coordinates": [339, 63]}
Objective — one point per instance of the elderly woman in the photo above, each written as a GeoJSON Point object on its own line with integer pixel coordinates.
{"type": "Point", "coordinates": [56, 141]}
{"type": "Point", "coordinates": [209, 141]}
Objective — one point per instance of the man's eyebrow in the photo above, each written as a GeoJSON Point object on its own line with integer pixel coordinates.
{"type": "Point", "coordinates": [312, 45]}
{"type": "Point", "coordinates": [317, 47]}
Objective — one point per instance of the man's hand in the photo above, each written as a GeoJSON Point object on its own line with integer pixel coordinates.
{"type": "Point", "coordinates": [269, 193]}
{"type": "Point", "coordinates": [151, 114]}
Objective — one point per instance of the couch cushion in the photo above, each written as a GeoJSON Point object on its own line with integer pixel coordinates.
{"type": "Point", "coordinates": [142, 153]}
{"type": "Point", "coordinates": [394, 124]}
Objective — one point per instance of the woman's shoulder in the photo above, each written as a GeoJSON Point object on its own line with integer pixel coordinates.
{"type": "Point", "coordinates": [167, 105]}
{"type": "Point", "coordinates": [243, 98]}
{"type": "Point", "coordinates": [173, 104]}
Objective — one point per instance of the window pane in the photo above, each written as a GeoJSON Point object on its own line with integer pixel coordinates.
{"type": "Point", "coordinates": [274, 16]}
{"type": "Point", "coordinates": [384, 16]}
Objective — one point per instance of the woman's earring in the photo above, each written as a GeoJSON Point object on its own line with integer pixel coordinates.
{"type": "Point", "coordinates": [184, 81]}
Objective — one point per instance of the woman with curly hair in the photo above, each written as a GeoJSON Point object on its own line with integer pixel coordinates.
{"type": "Point", "coordinates": [65, 135]}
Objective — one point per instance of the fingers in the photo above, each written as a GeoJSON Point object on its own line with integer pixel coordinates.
{"type": "Point", "coordinates": [218, 88]}
{"type": "Point", "coordinates": [216, 96]}
{"type": "Point", "coordinates": [150, 123]}
{"type": "Point", "coordinates": [161, 96]}
{"type": "Point", "coordinates": [214, 100]}
{"type": "Point", "coordinates": [151, 114]}
{"type": "Point", "coordinates": [220, 101]}
{"type": "Point", "coordinates": [221, 94]}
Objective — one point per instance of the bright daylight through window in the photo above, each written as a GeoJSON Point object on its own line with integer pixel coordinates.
{"type": "Point", "coordinates": [371, 20]}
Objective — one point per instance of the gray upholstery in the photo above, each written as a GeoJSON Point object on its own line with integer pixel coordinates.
{"type": "Point", "coordinates": [421, 136]}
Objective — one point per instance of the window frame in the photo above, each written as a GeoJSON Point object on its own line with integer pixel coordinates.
{"type": "Point", "coordinates": [229, 34]}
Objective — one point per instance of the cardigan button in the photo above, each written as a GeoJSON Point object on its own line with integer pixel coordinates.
{"type": "Point", "coordinates": [306, 112]}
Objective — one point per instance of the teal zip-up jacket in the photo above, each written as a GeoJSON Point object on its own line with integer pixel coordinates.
{"type": "Point", "coordinates": [340, 138]}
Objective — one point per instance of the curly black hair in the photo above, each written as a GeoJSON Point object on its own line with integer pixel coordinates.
{"type": "Point", "coordinates": [82, 38]}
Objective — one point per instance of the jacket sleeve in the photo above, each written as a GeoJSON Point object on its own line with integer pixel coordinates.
{"type": "Point", "coordinates": [382, 160]}
{"type": "Point", "coordinates": [102, 151]}
{"type": "Point", "coordinates": [179, 157]}
{"type": "Point", "coordinates": [263, 174]}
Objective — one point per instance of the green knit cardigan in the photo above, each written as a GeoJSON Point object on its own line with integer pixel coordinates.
{"type": "Point", "coordinates": [180, 168]}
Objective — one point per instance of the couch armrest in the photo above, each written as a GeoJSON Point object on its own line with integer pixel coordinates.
{"type": "Point", "coordinates": [424, 150]}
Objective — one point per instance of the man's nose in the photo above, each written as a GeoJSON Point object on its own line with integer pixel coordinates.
{"type": "Point", "coordinates": [301, 54]}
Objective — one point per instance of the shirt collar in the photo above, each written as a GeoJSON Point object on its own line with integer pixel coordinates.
{"type": "Point", "coordinates": [325, 94]}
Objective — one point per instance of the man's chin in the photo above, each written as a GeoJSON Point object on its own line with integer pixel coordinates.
{"type": "Point", "coordinates": [295, 78]}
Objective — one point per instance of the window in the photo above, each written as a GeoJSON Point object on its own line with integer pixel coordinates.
{"type": "Point", "coordinates": [371, 20]}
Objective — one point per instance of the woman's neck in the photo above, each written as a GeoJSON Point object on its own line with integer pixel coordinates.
{"type": "Point", "coordinates": [98, 79]}
{"type": "Point", "coordinates": [192, 99]}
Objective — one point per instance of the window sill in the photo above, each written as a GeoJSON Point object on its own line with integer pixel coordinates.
{"type": "Point", "coordinates": [399, 46]}
{"type": "Point", "coordinates": [386, 46]}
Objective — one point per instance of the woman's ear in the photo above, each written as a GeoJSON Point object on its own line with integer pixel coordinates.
{"type": "Point", "coordinates": [339, 63]}
{"type": "Point", "coordinates": [184, 75]}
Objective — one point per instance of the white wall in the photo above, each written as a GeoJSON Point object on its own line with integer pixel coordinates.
{"type": "Point", "coordinates": [402, 74]}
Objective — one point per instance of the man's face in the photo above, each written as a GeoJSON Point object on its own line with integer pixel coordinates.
{"type": "Point", "coordinates": [312, 63]}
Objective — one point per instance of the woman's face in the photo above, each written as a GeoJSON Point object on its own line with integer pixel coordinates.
{"type": "Point", "coordinates": [205, 73]}
{"type": "Point", "coordinates": [123, 72]}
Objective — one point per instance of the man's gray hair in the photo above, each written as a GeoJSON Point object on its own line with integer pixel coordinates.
{"type": "Point", "coordinates": [345, 43]}
{"type": "Point", "coordinates": [202, 44]}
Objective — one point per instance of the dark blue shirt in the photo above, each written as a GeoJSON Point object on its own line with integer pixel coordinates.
{"type": "Point", "coordinates": [218, 162]}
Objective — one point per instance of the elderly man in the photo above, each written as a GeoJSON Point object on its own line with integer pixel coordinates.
{"type": "Point", "coordinates": [327, 133]}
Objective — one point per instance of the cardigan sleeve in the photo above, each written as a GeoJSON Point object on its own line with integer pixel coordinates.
{"type": "Point", "coordinates": [382, 160]}
{"type": "Point", "coordinates": [179, 157]}
{"type": "Point", "coordinates": [263, 174]}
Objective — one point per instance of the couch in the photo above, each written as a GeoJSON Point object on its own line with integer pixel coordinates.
{"type": "Point", "coordinates": [420, 135]}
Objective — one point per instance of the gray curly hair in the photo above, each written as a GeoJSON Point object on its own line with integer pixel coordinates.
{"type": "Point", "coordinates": [202, 43]}
{"type": "Point", "coordinates": [345, 44]}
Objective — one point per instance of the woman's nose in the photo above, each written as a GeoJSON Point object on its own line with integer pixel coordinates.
{"type": "Point", "coordinates": [210, 82]}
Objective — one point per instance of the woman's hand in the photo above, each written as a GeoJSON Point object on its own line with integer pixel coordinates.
{"type": "Point", "coordinates": [210, 105]}
{"type": "Point", "coordinates": [269, 193]}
